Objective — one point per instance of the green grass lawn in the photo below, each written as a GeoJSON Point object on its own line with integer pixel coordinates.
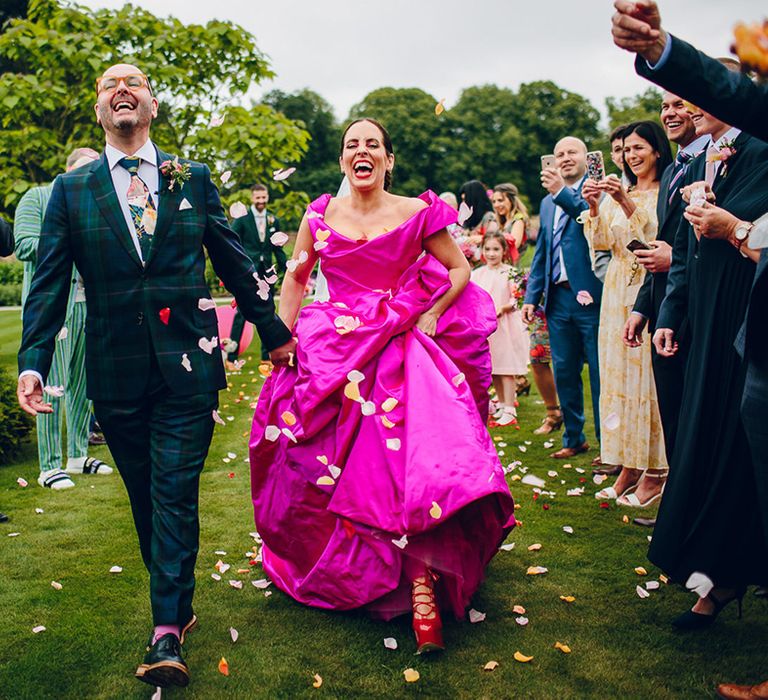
{"type": "Point", "coordinates": [96, 626]}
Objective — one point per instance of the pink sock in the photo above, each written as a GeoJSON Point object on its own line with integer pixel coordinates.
{"type": "Point", "coordinates": [161, 630]}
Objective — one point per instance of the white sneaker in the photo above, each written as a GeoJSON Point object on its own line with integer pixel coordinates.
{"type": "Point", "coordinates": [508, 416]}
{"type": "Point", "coordinates": [55, 479]}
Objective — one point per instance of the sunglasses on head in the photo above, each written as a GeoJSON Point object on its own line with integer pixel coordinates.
{"type": "Point", "coordinates": [133, 81]}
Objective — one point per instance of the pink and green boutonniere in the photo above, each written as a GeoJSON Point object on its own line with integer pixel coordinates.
{"type": "Point", "coordinates": [177, 173]}
{"type": "Point", "coordinates": [725, 151]}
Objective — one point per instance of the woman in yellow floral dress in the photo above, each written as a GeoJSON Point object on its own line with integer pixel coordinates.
{"type": "Point", "coordinates": [630, 425]}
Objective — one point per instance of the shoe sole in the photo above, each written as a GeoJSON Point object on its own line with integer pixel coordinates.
{"type": "Point", "coordinates": [429, 648]}
{"type": "Point", "coordinates": [163, 674]}
{"type": "Point", "coordinates": [191, 625]}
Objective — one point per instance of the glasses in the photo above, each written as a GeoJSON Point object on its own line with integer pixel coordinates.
{"type": "Point", "coordinates": [134, 81]}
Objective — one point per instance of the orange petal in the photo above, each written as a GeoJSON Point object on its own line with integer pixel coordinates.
{"type": "Point", "coordinates": [522, 658]}
{"type": "Point", "coordinates": [352, 391]}
{"type": "Point", "coordinates": [436, 511]}
{"type": "Point", "coordinates": [491, 666]}
{"type": "Point", "coordinates": [567, 598]}
{"type": "Point", "coordinates": [223, 667]}
{"type": "Point", "coordinates": [563, 647]}
{"type": "Point", "coordinates": [534, 547]}
{"type": "Point", "coordinates": [288, 418]}
{"type": "Point", "coordinates": [318, 681]}
{"type": "Point", "coordinates": [388, 404]}
{"type": "Point", "coordinates": [325, 481]}
{"type": "Point", "coordinates": [411, 675]}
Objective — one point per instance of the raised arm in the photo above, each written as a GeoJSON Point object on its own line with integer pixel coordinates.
{"type": "Point", "coordinates": [297, 276]}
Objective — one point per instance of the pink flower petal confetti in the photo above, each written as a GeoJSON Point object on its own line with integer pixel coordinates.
{"type": "Point", "coordinates": [390, 643]}
{"type": "Point", "coordinates": [236, 584]}
{"type": "Point", "coordinates": [208, 346]}
{"type": "Point", "coordinates": [476, 616]}
{"type": "Point", "coordinates": [283, 174]}
{"type": "Point", "coordinates": [63, 333]}
{"type": "Point", "coordinates": [217, 418]}
{"type": "Point", "coordinates": [584, 298]}
{"type": "Point", "coordinates": [401, 543]}
{"type": "Point", "coordinates": [261, 583]}
{"type": "Point", "coordinates": [216, 120]}
{"type": "Point", "coordinates": [158, 694]}
{"type": "Point", "coordinates": [116, 570]}
{"type": "Point", "coordinates": [22, 482]}
{"type": "Point", "coordinates": [225, 177]}
{"type": "Point", "coordinates": [185, 363]}
{"type": "Point", "coordinates": [56, 585]}
{"type": "Point", "coordinates": [55, 391]}
{"type": "Point", "coordinates": [507, 547]}
{"type": "Point", "coordinates": [393, 444]}
{"type": "Point", "coordinates": [38, 629]}
{"type": "Point", "coordinates": [238, 210]}
{"type": "Point", "coordinates": [206, 304]}
{"type": "Point", "coordinates": [465, 211]}
{"type": "Point", "coordinates": [522, 621]}
{"type": "Point", "coordinates": [611, 421]}
{"type": "Point", "coordinates": [279, 238]}
{"type": "Point", "coordinates": [271, 433]}
{"type": "Point", "coordinates": [233, 634]}
{"type": "Point", "coordinates": [641, 592]}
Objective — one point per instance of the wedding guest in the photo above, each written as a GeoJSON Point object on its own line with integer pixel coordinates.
{"type": "Point", "coordinates": [631, 426]}
{"type": "Point", "coordinates": [540, 356]}
{"type": "Point", "coordinates": [510, 217]}
{"type": "Point", "coordinates": [668, 372]}
{"type": "Point", "coordinates": [563, 283]}
{"type": "Point", "coordinates": [616, 140]}
{"type": "Point", "coordinates": [68, 364]}
{"type": "Point", "coordinates": [475, 195]}
{"type": "Point", "coordinates": [509, 343]}
{"type": "Point", "coordinates": [710, 521]}
{"type": "Point", "coordinates": [256, 229]}
{"type": "Point", "coordinates": [6, 248]}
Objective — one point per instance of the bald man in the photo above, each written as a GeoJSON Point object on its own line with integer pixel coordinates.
{"type": "Point", "coordinates": [563, 283]}
{"type": "Point", "coordinates": [136, 228]}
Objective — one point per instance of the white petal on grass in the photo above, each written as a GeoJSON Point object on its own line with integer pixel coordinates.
{"type": "Point", "coordinates": [476, 616]}
{"type": "Point", "coordinates": [390, 643]}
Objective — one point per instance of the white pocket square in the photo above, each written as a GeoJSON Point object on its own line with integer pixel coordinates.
{"type": "Point", "coordinates": [184, 205]}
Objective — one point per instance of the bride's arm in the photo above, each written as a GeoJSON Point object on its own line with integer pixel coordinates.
{"type": "Point", "coordinates": [295, 281]}
{"type": "Point", "coordinates": [443, 248]}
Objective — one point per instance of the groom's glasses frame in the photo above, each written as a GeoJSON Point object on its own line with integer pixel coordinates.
{"type": "Point", "coordinates": [133, 81]}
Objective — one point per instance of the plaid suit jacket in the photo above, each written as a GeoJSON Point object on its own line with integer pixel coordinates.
{"type": "Point", "coordinates": [85, 225]}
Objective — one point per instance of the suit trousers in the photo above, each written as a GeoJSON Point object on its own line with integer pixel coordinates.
{"type": "Point", "coordinates": [573, 340]}
{"type": "Point", "coordinates": [160, 442]}
{"type": "Point", "coordinates": [67, 370]}
{"type": "Point", "coordinates": [754, 408]}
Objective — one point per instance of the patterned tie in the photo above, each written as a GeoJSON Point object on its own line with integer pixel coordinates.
{"type": "Point", "coordinates": [556, 239]}
{"type": "Point", "coordinates": [681, 165]}
{"type": "Point", "coordinates": [143, 211]}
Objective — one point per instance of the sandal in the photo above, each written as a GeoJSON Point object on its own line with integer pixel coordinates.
{"type": "Point", "coordinates": [92, 466]}
{"type": "Point", "coordinates": [628, 498]}
{"type": "Point", "coordinates": [552, 421]}
{"type": "Point", "coordinates": [55, 479]}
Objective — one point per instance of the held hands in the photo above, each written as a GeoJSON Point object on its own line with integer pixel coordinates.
{"type": "Point", "coordinates": [658, 259]}
{"type": "Point", "coordinates": [637, 28]}
{"type": "Point", "coordinates": [694, 189]}
{"type": "Point", "coordinates": [427, 323]}
{"type": "Point", "coordinates": [529, 313]}
{"type": "Point", "coordinates": [285, 355]}
{"type": "Point", "coordinates": [552, 181]}
{"type": "Point", "coordinates": [30, 395]}
{"type": "Point", "coordinates": [711, 221]}
{"type": "Point", "coordinates": [664, 342]}
{"type": "Point", "coordinates": [591, 193]}
{"type": "Point", "coordinates": [633, 330]}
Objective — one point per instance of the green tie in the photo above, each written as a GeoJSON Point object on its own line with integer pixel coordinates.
{"type": "Point", "coordinates": [143, 212]}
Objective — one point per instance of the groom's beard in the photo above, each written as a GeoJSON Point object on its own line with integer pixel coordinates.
{"type": "Point", "coordinates": [123, 124]}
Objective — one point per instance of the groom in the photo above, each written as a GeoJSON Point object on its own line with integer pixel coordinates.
{"type": "Point", "coordinates": [136, 229]}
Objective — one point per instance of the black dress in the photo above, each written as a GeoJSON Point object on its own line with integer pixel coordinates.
{"type": "Point", "coordinates": [709, 520]}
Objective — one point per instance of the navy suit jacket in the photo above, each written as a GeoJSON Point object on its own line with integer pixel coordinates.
{"type": "Point", "coordinates": [574, 246]}
{"type": "Point", "coordinates": [707, 83]}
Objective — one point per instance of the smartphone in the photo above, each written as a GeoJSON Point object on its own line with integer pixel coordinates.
{"type": "Point", "coordinates": [548, 161]}
{"type": "Point", "coordinates": [637, 244]}
{"type": "Point", "coordinates": [595, 165]}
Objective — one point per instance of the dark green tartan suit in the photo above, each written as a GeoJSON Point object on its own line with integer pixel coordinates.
{"type": "Point", "coordinates": [156, 415]}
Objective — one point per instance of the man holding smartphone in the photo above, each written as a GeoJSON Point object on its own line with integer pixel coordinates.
{"type": "Point", "coordinates": [563, 283]}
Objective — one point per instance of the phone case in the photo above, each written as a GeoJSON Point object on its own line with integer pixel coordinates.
{"type": "Point", "coordinates": [547, 161]}
{"type": "Point", "coordinates": [595, 165]}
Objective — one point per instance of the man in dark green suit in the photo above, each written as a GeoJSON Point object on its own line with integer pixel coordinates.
{"type": "Point", "coordinates": [135, 224]}
{"type": "Point", "coordinates": [256, 230]}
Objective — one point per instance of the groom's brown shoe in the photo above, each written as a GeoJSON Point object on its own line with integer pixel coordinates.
{"type": "Point", "coordinates": [568, 452]}
{"type": "Point", "coordinates": [163, 664]}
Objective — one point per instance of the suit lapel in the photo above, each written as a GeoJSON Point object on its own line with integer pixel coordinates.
{"type": "Point", "coordinates": [100, 183]}
{"type": "Point", "coordinates": [723, 181]}
{"type": "Point", "coordinates": [167, 206]}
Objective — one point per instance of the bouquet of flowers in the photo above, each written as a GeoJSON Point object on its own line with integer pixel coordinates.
{"type": "Point", "coordinates": [751, 46]}
{"type": "Point", "coordinates": [469, 242]}
{"type": "Point", "coordinates": [519, 279]}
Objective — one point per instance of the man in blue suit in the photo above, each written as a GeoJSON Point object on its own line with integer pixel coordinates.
{"type": "Point", "coordinates": [563, 283]}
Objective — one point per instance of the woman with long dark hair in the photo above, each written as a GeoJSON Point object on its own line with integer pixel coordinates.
{"type": "Point", "coordinates": [630, 424]}
{"type": "Point", "coordinates": [375, 483]}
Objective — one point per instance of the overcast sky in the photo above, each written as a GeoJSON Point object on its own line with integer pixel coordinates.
{"type": "Point", "coordinates": [343, 49]}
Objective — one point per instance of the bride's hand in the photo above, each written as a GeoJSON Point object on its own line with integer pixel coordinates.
{"type": "Point", "coordinates": [427, 323]}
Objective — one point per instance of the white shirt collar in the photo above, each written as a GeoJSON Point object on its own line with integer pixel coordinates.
{"type": "Point", "coordinates": [696, 146]}
{"type": "Point", "coordinates": [147, 153]}
{"type": "Point", "coordinates": [259, 214]}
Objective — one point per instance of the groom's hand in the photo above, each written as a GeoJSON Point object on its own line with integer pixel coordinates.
{"type": "Point", "coordinates": [285, 355]}
{"type": "Point", "coordinates": [30, 394]}
{"type": "Point", "coordinates": [664, 342]}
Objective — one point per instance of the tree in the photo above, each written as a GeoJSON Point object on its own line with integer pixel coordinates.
{"type": "Point", "coordinates": [409, 116]}
{"type": "Point", "coordinates": [196, 72]}
{"type": "Point", "coordinates": [318, 171]}
{"type": "Point", "coordinates": [645, 106]}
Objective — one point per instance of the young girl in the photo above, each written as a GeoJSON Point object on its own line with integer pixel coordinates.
{"type": "Point", "coordinates": [509, 344]}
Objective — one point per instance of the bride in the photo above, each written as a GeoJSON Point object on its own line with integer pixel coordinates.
{"type": "Point", "coordinates": [374, 481]}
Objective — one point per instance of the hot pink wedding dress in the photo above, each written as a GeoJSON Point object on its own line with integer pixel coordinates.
{"type": "Point", "coordinates": [370, 460]}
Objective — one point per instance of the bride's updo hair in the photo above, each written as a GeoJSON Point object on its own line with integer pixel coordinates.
{"type": "Point", "coordinates": [385, 139]}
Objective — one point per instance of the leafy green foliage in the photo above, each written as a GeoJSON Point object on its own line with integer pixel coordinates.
{"type": "Point", "coordinates": [645, 106]}
{"type": "Point", "coordinates": [15, 425]}
{"type": "Point", "coordinates": [47, 96]}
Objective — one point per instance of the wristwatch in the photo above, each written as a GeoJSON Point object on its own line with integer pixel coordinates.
{"type": "Point", "coordinates": [741, 234]}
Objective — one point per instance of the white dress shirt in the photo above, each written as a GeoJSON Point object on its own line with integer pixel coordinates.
{"type": "Point", "coordinates": [714, 166]}
{"type": "Point", "coordinates": [558, 213]}
{"type": "Point", "coordinates": [260, 217]}
{"type": "Point", "coordinates": [121, 179]}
